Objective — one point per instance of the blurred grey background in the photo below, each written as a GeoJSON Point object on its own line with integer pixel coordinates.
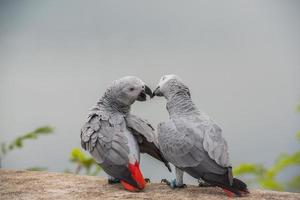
{"type": "Point", "coordinates": [241, 60]}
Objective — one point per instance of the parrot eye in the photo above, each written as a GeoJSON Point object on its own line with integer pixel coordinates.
{"type": "Point", "coordinates": [131, 89]}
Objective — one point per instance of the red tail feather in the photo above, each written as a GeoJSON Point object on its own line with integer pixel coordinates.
{"type": "Point", "coordinates": [137, 176]}
{"type": "Point", "coordinates": [129, 187]}
{"type": "Point", "coordinates": [228, 193]}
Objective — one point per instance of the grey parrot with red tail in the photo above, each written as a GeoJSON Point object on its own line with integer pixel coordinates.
{"type": "Point", "coordinates": [114, 137]}
{"type": "Point", "coordinates": [192, 141]}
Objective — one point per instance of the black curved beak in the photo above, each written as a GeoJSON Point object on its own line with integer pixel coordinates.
{"type": "Point", "coordinates": [148, 91]}
{"type": "Point", "coordinates": [142, 96]}
{"type": "Point", "coordinates": [156, 92]}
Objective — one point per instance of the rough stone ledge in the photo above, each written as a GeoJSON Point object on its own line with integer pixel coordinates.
{"type": "Point", "coordinates": [48, 185]}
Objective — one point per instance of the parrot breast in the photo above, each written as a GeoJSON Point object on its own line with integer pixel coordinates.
{"type": "Point", "coordinates": [134, 151]}
{"type": "Point", "coordinates": [133, 165]}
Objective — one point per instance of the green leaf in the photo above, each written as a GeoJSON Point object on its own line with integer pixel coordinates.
{"type": "Point", "coordinates": [83, 162]}
{"type": "Point", "coordinates": [77, 155]}
{"type": "Point", "coordinates": [283, 162]}
{"type": "Point", "coordinates": [3, 148]}
{"type": "Point", "coordinates": [248, 168]}
{"type": "Point", "coordinates": [18, 142]}
{"type": "Point", "coordinates": [43, 130]}
{"type": "Point", "coordinates": [271, 184]}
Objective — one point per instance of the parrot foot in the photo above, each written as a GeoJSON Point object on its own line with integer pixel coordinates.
{"type": "Point", "coordinates": [147, 180]}
{"type": "Point", "coordinates": [172, 184]}
{"type": "Point", "coordinates": [204, 184]}
{"type": "Point", "coordinates": [113, 181]}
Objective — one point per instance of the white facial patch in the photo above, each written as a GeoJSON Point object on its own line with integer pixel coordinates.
{"type": "Point", "coordinates": [166, 78]}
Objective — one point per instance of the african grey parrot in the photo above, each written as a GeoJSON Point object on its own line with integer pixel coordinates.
{"type": "Point", "coordinates": [115, 138]}
{"type": "Point", "coordinates": [192, 141]}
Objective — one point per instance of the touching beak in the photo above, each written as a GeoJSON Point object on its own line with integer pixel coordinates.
{"type": "Point", "coordinates": [156, 92]}
{"type": "Point", "coordinates": [142, 95]}
{"type": "Point", "coordinates": [148, 91]}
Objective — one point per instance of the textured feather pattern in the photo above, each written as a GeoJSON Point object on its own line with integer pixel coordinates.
{"type": "Point", "coordinates": [182, 145]}
{"type": "Point", "coordinates": [186, 117]}
{"type": "Point", "coordinates": [193, 142]}
{"type": "Point", "coordinates": [189, 141]}
{"type": "Point", "coordinates": [146, 137]}
{"type": "Point", "coordinates": [215, 145]}
{"type": "Point", "coordinates": [107, 137]}
{"type": "Point", "coordinates": [142, 127]}
{"type": "Point", "coordinates": [103, 136]}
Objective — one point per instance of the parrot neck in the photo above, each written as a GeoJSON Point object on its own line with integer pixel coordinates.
{"type": "Point", "coordinates": [113, 106]}
{"type": "Point", "coordinates": [181, 104]}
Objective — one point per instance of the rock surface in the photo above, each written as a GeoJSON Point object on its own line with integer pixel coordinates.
{"type": "Point", "coordinates": [48, 185]}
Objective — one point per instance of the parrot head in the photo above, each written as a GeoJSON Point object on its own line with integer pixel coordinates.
{"type": "Point", "coordinates": [129, 89]}
{"type": "Point", "coordinates": [169, 85]}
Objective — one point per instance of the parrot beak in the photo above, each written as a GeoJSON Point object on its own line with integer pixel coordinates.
{"type": "Point", "coordinates": [142, 96]}
{"type": "Point", "coordinates": [157, 92]}
{"type": "Point", "coordinates": [148, 91]}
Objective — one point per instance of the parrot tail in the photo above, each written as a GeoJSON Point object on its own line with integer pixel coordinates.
{"type": "Point", "coordinates": [137, 176]}
{"type": "Point", "coordinates": [237, 187]}
{"type": "Point", "coordinates": [240, 185]}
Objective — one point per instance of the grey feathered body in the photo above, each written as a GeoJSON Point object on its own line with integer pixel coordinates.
{"type": "Point", "coordinates": [192, 141]}
{"type": "Point", "coordinates": [114, 138]}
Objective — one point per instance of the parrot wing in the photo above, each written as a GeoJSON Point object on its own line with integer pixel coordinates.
{"type": "Point", "coordinates": [196, 145]}
{"type": "Point", "coordinates": [107, 144]}
{"type": "Point", "coordinates": [182, 142]}
{"type": "Point", "coordinates": [214, 144]}
{"type": "Point", "coordinates": [141, 126]}
{"type": "Point", "coordinates": [146, 137]}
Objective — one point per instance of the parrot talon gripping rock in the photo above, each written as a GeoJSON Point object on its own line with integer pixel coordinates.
{"type": "Point", "coordinates": [202, 183]}
{"type": "Point", "coordinates": [172, 184]}
{"type": "Point", "coordinates": [115, 138]}
{"type": "Point", "coordinates": [165, 181]}
{"type": "Point", "coordinates": [193, 142]}
{"type": "Point", "coordinates": [113, 181]}
{"type": "Point", "coordinates": [147, 180]}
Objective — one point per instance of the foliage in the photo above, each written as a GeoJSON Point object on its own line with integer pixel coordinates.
{"type": "Point", "coordinates": [19, 142]}
{"type": "Point", "coordinates": [81, 161]}
{"type": "Point", "coordinates": [266, 177]}
{"type": "Point", "coordinates": [84, 162]}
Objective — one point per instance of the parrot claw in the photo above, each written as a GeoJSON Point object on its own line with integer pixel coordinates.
{"type": "Point", "coordinates": [165, 181]}
{"type": "Point", "coordinates": [113, 181]}
{"type": "Point", "coordinates": [181, 186]}
{"type": "Point", "coordinates": [172, 184]}
{"type": "Point", "coordinates": [204, 184]}
{"type": "Point", "coordinates": [147, 180]}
